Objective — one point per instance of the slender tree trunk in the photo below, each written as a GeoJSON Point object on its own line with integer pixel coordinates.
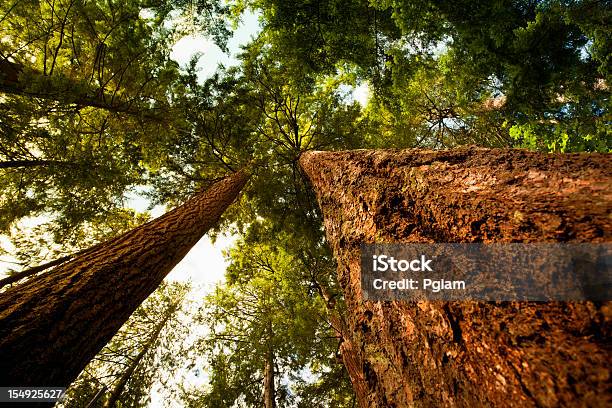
{"type": "Point", "coordinates": [9, 164]}
{"type": "Point", "coordinates": [11, 82]}
{"type": "Point", "coordinates": [119, 386]}
{"type": "Point", "coordinates": [54, 324]}
{"type": "Point", "coordinates": [95, 398]}
{"type": "Point", "coordinates": [269, 392]}
{"type": "Point", "coordinates": [468, 353]}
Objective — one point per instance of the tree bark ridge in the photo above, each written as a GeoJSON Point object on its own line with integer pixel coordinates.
{"type": "Point", "coordinates": [468, 353]}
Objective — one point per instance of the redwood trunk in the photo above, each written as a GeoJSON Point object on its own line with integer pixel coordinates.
{"type": "Point", "coordinates": [468, 353]}
{"type": "Point", "coordinates": [52, 325]}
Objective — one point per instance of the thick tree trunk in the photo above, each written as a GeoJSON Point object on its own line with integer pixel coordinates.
{"type": "Point", "coordinates": [12, 82]}
{"type": "Point", "coordinates": [52, 325]}
{"type": "Point", "coordinates": [119, 386]}
{"type": "Point", "coordinates": [468, 353]}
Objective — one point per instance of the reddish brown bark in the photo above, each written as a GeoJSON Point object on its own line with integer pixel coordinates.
{"type": "Point", "coordinates": [468, 353]}
{"type": "Point", "coordinates": [54, 324]}
{"type": "Point", "coordinates": [269, 392]}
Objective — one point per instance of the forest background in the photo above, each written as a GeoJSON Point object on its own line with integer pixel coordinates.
{"type": "Point", "coordinates": [104, 113]}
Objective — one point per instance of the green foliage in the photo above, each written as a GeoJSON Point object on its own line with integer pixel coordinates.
{"type": "Point", "coordinates": [91, 98]}
{"type": "Point", "coordinates": [39, 242]}
{"type": "Point", "coordinates": [164, 353]}
{"type": "Point", "coordinates": [268, 310]}
{"type": "Point", "coordinates": [540, 58]}
{"type": "Point", "coordinates": [215, 137]}
{"type": "Point", "coordinates": [84, 171]}
{"type": "Point", "coordinates": [312, 37]}
{"type": "Point", "coordinates": [472, 65]}
{"type": "Point", "coordinates": [113, 45]}
{"type": "Point", "coordinates": [550, 136]}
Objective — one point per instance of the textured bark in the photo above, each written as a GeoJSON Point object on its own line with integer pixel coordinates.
{"type": "Point", "coordinates": [468, 353]}
{"type": "Point", "coordinates": [269, 393]}
{"type": "Point", "coordinates": [52, 325]}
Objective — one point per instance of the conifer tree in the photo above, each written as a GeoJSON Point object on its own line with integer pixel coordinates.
{"type": "Point", "coordinates": [52, 325]}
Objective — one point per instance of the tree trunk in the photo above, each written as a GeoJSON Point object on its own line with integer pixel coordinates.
{"type": "Point", "coordinates": [468, 353]}
{"type": "Point", "coordinates": [9, 164]}
{"type": "Point", "coordinates": [127, 374]}
{"type": "Point", "coordinates": [52, 325]}
{"type": "Point", "coordinates": [268, 392]}
{"type": "Point", "coordinates": [70, 91]}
